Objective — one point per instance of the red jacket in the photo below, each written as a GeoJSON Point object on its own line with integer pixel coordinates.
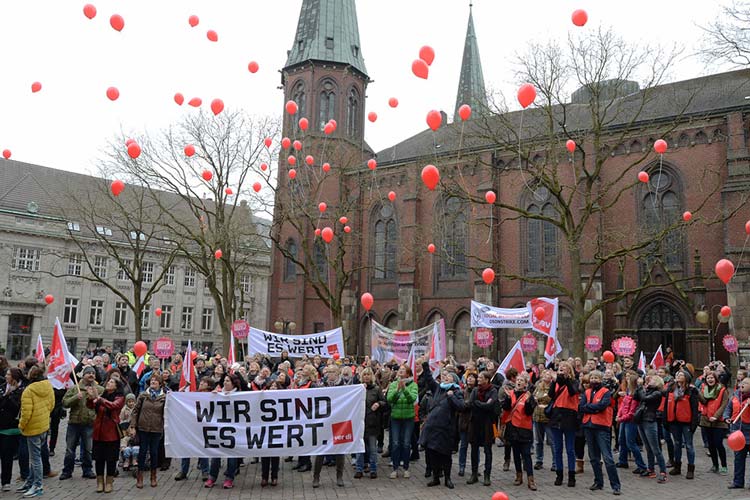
{"type": "Point", "coordinates": [628, 405]}
{"type": "Point", "coordinates": [107, 418]}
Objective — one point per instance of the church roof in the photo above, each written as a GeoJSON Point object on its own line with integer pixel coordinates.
{"type": "Point", "coordinates": [327, 31]}
{"type": "Point", "coordinates": [703, 96]}
{"type": "Point", "coordinates": [471, 89]}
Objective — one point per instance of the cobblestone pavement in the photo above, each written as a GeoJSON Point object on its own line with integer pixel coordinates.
{"type": "Point", "coordinates": [294, 485]}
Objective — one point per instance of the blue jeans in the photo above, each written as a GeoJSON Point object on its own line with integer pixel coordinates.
{"type": "Point", "coordinates": [682, 435]}
{"type": "Point", "coordinates": [463, 447]}
{"type": "Point", "coordinates": [75, 435]}
{"type": "Point", "coordinates": [149, 443]}
{"type": "Point", "coordinates": [542, 433]}
{"type": "Point", "coordinates": [599, 443]}
{"type": "Point", "coordinates": [233, 465]}
{"type": "Point", "coordinates": [401, 429]}
{"type": "Point", "coordinates": [35, 455]}
{"type": "Point", "coordinates": [650, 436]}
{"type": "Point", "coordinates": [371, 454]}
{"type": "Point", "coordinates": [202, 465]}
{"type": "Point", "coordinates": [667, 437]}
{"type": "Point", "coordinates": [739, 467]}
{"type": "Point", "coordinates": [570, 448]}
{"type": "Point", "coordinates": [629, 443]}
{"type": "Point", "coordinates": [487, 457]}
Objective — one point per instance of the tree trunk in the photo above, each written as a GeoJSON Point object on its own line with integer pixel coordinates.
{"type": "Point", "coordinates": [578, 301]}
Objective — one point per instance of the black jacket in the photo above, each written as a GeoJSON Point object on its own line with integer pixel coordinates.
{"type": "Point", "coordinates": [440, 431]}
{"type": "Point", "coordinates": [651, 399]}
{"type": "Point", "coordinates": [10, 408]}
{"type": "Point", "coordinates": [373, 419]}
{"type": "Point", "coordinates": [483, 416]}
{"type": "Point", "coordinates": [563, 418]}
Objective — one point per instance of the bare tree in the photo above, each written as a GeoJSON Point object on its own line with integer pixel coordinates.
{"type": "Point", "coordinates": [727, 38]}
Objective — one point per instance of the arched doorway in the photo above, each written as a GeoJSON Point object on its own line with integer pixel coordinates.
{"type": "Point", "coordinates": [661, 324]}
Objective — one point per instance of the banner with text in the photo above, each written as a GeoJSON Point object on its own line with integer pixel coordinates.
{"type": "Point", "coordinates": [539, 314]}
{"type": "Point", "coordinates": [294, 422]}
{"type": "Point", "coordinates": [328, 344]}
{"type": "Point", "coordinates": [387, 344]}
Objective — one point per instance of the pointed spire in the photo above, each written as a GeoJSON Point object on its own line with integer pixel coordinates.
{"type": "Point", "coordinates": [327, 31]}
{"type": "Point", "coordinates": [471, 89]}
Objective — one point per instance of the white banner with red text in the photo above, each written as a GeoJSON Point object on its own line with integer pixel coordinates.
{"type": "Point", "coordinates": [539, 314]}
{"type": "Point", "coordinates": [294, 422]}
{"type": "Point", "coordinates": [387, 345]}
{"type": "Point", "coordinates": [328, 344]}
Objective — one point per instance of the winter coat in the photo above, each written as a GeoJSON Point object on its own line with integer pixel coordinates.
{"type": "Point", "coordinates": [148, 414]}
{"type": "Point", "coordinates": [515, 434]}
{"type": "Point", "coordinates": [129, 376]}
{"type": "Point", "coordinates": [37, 402]}
{"type": "Point", "coordinates": [651, 397]}
{"type": "Point", "coordinates": [107, 417]}
{"type": "Point", "coordinates": [627, 408]}
{"type": "Point", "coordinates": [719, 423]}
{"type": "Point", "coordinates": [692, 394]}
{"type": "Point", "coordinates": [563, 418]}
{"type": "Point", "coordinates": [541, 395]}
{"type": "Point", "coordinates": [10, 407]}
{"type": "Point", "coordinates": [439, 432]}
{"type": "Point", "coordinates": [729, 410]}
{"type": "Point", "coordinates": [79, 412]}
{"type": "Point", "coordinates": [483, 416]}
{"type": "Point", "coordinates": [464, 418]}
{"type": "Point", "coordinates": [402, 400]}
{"type": "Point", "coordinates": [373, 419]}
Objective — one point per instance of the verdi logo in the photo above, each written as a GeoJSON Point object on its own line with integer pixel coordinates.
{"type": "Point", "coordinates": [342, 432]}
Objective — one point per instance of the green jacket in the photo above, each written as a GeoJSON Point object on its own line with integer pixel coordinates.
{"type": "Point", "coordinates": [402, 400]}
{"type": "Point", "coordinates": [79, 413]}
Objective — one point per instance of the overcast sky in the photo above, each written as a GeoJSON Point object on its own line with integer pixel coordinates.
{"type": "Point", "coordinates": [157, 54]}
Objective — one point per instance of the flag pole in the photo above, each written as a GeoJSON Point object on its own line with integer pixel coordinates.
{"type": "Point", "coordinates": [75, 378]}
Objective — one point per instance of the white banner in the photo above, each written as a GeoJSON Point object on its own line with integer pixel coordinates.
{"type": "Point", "coordinates": [484, 316]}
{"type": "Point", "coordinates": [388, 345]}
{"type": "Point", "coordinates": [323, 344]}
{"type": "Point", "coordinates": [294, 422]}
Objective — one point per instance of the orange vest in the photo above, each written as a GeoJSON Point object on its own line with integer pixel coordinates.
{"type": "Point", "coordinates": [519, 419]}
{"type": "Point", "coordinates": [710, 408]}
{"type": "Point", "coordinates": [737, 407]}
{"type": "Point", "coordinates": [603, 418]}
{"type": "Point", "coordinates": [507, 415]}
{"type": "Point", "coordinates": [566, 400]}
{"type": "Point", "coordinates": [663, 402]}
{"type": "Point", "coordinates": [678, 411]}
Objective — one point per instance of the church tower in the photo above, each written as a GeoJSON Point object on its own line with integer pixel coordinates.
{"type": "Point", "coordinates": [471, 89]}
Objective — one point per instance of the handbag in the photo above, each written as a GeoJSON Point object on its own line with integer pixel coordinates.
{"type": "Point", "coordinates": [638, 415]}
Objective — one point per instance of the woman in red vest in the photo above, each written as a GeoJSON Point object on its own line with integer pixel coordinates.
{"type": "Point", "coordinates": [737, 415]}
{"type": "Point", "coordinates": [714, 397]}
{"type": "Point", "coordinates": [683, 417]}
{"type": "Point", "coordinates": [519, 404]}
{"type": "Point", "coordinates": [565, 395]}
{"type": "Point", "coordinates": [596, 406]}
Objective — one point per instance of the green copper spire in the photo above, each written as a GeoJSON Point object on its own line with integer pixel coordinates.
{"type": "Point", "coordinates": [327, 31]}
{"type": "Point", "coordinates": [471, 89]}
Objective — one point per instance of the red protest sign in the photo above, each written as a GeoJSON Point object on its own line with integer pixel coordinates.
{"type": "Point", "coordinates": [730, 343]}
{"type": "Point", "coordinates": [483, 337]}
{"type": "Point", "coordinates": [240, 329]}
{"type": "Point", "coordinates": [529, 343]}
{"type": "Point", "coordinates": [592, 343]}
{"type": "Point", "coordinates": [163, 347]}
{"type": "Point", "coordinates": [624, 346]}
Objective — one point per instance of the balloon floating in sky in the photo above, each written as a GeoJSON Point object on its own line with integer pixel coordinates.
{"type": "Point", "coordinates": [117, 187]}
{"type": "Point", "coordinates": [292, 174]}
{"type": "Point", "coordinates": [326, 167]}
{"type": "Point", "coordinates": [393, 102]}
{"type": "Point", "coordinates": [195, 102]}
{"type": "Point", "coordinates": [392, 195]}
{"type": "Point", "coordinates": [327, 234]}
{"type": "Point", "coordinates": [420, 69]}
{"type": "Point", "coordinates": [189, 150]}
{"type": "Point", "coordinates": [322, 207]}
{"type": "Point", "coordinates": [286, 142]}
{"type": "Point", "coordinates": [643, 176]}
{"type": "Point", "coordinates": [217, 106]}
{"type": "Point", "coordinates": [526, 95]}
{"type": "Point", "coordinates": [309, 160]}
{"type": "Point", "coordinates": [464, 112]}
{"type": "Point", "coordinates": [430, 177]}
{"type": "Point", "coordinates": [253, 67]}
{"type": "Point", "coordinates": [207, 175]}
{"type": "Point", "coordinates": [6, 154]}
{"type": "Point", "coordinates": [218, 254]}
{"type": "Point", "coordinates": [117, 22]}
{"type": "Point", "coordinates": [113, 94]}
{"type": "Point", "coordinates": [372, 116]}
{"type": "Point", "coordinates": [264, 166]}
{"type": "Point", "coordinates": [212, 36]}
{"type": "Point", "coordinates": [179, 98]}
{"type": "Point", "coordinates": [488, 275]}
{"type": "Point", "coordinates": [291, 107]}
{"type": "Point", "coordinates": [570, 145]}
{"type": "Point", "coordinates": [134, 150]}
{"type": "Point", "coordinates": [303, 123]}
{"type": "Point", "coordinates": [427, 54]}
{"type": "Point", "coordinates": [579, 17]}
{"type": "Point", "coordinates": [268, 141]}
{"type": "Point", "coordinates": [36, 87]}
{"type": "Point", "coordinates": [367, 300]}
{"type": "Point", "coordinates": [228, 191]}
{"type": "Point", "coordinates": [297, 145]}
{"type": "Point", "coordinates": [434, 119]}
{"type": "Point", "coordinates": [193, 20]}
{"type": "Point", "coordinates": [660, 146]}
{"type": "Point", "coordinates": [256, 187]}
{"type": "Point", "coordinates": [724, 270]}
{"type": "Point", "coordinates": [89, 11]}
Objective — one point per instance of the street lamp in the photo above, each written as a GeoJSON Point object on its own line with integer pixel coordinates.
{"type": "Point", "coordinates": [285, 326]}
{"type": "Point", "coordinates": [706, 318]}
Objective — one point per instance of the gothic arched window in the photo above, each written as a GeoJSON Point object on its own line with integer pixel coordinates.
{"type": "Point", "coordinates": [327, 104]}
{"type": "Point", "coordinates": [454, 230]}
{"type": "Point", "coordinates": [385, 241]}
{"type": "Point", "coordinates": [660, 208]}
{"type": "Point", "coordinates": [299, 96]}
{"type": "Point", "coordinates": [320, 260]}
{"type": "Point", "coordinates": [352, 113]}
{"type": "Point", "coordinates": [541, 236]}
{"type": "Point", "coordinates": [290, 268]}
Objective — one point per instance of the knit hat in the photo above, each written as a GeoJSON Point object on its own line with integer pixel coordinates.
{"type": "Point", "coordinates": [688, 376]}
{"type": "Point", "coordinates": [87, 370]}
{"type": "Point", "coordinates": [129, 397]}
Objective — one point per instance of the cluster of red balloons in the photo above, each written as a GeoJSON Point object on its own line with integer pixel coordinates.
{"type": "Point", "coordinates": [421, 67]}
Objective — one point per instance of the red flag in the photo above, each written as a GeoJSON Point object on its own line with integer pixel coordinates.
{"type": "Point", "coordinates": [412, 361]}
{"type": "Point", "coordinates": [642, 362]}
{"type": "Point", "coordinates": [188, 373]}
{"type": "Point", "coordinates": [514, 359]}
{"type": "Point", "coordinates": [139, 365]}
{"type": "Point", "coordinates": [658, 360]}
{"type": "Point", "coordinates": [39, 350]}
{"type": "Point", "coordinates": [231, 356]}
{"type": "Point", "coordinates": [59, 367]}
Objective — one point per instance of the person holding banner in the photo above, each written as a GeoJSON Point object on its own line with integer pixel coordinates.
{"type": "Point", "coordinates": [374, 404]}
{"type": "Point", "coordinates": [402, 395]}
{"type": "Point", "coordinates": [231, 385]}
{"type": "Point", "coordinates": [485, 408]}
{"type": "Point", "coordinates": [148, 421]}
{"type": "Point", "coordinates": [519, 433]}
{"type": "Point", "coordinates": [332, 378]}
{"type": "Point", "coordinates": [564, 393]}
{"type": "Point", "coordinates": [737, 416]}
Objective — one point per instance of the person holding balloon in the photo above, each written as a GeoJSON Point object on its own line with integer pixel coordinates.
{"type": "Point", "coordinates": [737, 415]}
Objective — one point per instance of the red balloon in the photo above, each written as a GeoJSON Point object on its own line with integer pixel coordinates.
{"type": "Point", "coordinates": [660, 146]}
{"type": "Point", "coordinates": [292, 160]}
{"type": "Point", "coordinates": [570, 145]}
{"type": "Point", "coordinates": [292, 174]}
{"type": "Point", "coordinates": [322, 206]}
{"type": "Point", "coordinates": [49, 299]}
{"type": "Point", "coordinates": [488, 275]}
{"type": "Point", "coordinates": [36, 87]}
{"type": "Point", "coordinates": [579, 17]}
{"type": "Point", "coordinates": [726, 311]}
{"type": "Point", "coordinates": [140, 348]}
{"type": "Point", "coordinates": [195, 102]}
{"type": "Point", "coordinates": [286, 142]}
{"type": "Point", "coordinates": [430, 177]}
{"type": "Point", "coordinates": [217, 106]}
{"type": "Point", "coordinates": [326, 167]}
{"type": "Point", "coordinates": [297, 145]}
{"type": "Point", "coordinates": [687, 216]}
{"type": "Point", "coordinates": [228, 191]}
{"type": "Point", "coordinates": [724, 270]}
{"type": "Point", "coordinates": [129, 142]}
{"type": "Point", "coordinates": [499, 495]}
{"type": "Point", "coordinates": [343, 220]}
{"type": "Point", "coordinates": [336, 356]}
{"type": "Point", "coordinates": [6, 154]}
{"type": "Point", "coordinates": [372, 164]}
{"type": "Point", "coordinates": [193, 355]}
{"type": "Point", "coordinates": [427, 54]}
{"type": "Point", "coordinates": [431, 248]}
{"type": "Point", "coordinates": [158, 313]}
{"type": "Point", "coordinates": [539, 313]}
{"type": "Point", "coordinates": [434, 119]}
{"type": "Point", "coordinates": [89, 11]}
{"type": "Point", "coordinates": [736, 440]}
{"type": "Point", "coordinates": [643, 176]}
{"type": "Point", "coordinates": [291, 107]}
{"type": "Point", "coordinates": [526, 95]}
{"type": "Point", "coordinates": [372, 116]}
{"type": "Point", "coordinates": [117, 187]}
{"type": "Point", "coordinates": [253, 67]}
{"type": "Point", "coordinates": [328, 129]}
{"type": "Point", "coordinates": [264, 166]}
{"type": "Point", "coordinates": [393, 102]}
{"type": "Point", "coordinates": [490, 197]}
{"type": "Point", "coordinates": [420, 68]}
{"type": "Point", "coordinates": [747, 227]}
{"type": "Point", "coordinates": [347, 229]}
{"type": "Point", "coordinates": [327, 234]}
{"type": "Point", "coordinates": [367, 301]}
{"type": "Point", "coordinates": [392, 195]}
{"type": "Point", "coordinates": [134, 150]}
{"type": "Point", "coordinates": [608, 357]}
{"type": "Point", "coordinates": [334, 123]}
{"type": "Point", "coordinates": [193, 20]}
{"type": "Point", "coordinates": [189, 150]}
{"type": "Point", "coordinates": [464, 112]}
{"type": "Point", "coordinates": [117, 22]}
{"type": "Point", "coordinates": [207, 175]}
{"type": "Point", "coordinates": [268, 141]}
{"type": "Point", "coordinates": [179, 98]}
{"type": "Point", "coordinates": [317, 231]}
{"type": "Point", "coordinates": [218, 254]}
{"type": "Point", "coordinates": [309, 160]}
{"type": "Point", "coordinates": [212, 35]}
{"type": "Point", "coordinates": [303, 123]}
{"type": "Point", "coordinates": [256, 187]}
{"type": "Point", "coordinates": [113, 93]}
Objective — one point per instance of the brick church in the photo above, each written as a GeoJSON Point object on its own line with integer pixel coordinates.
{"type": "Point", "coordinates": [385, 252]}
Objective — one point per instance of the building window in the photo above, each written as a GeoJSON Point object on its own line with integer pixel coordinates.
{"type": "Point", "coordinates": [100, 267]}
{"type": "Point", "coordinates": [455, 232]}
{"type": "Point", "coordinates": [146, 316]}
{"type": "Point", "coordinates": [123, 274]}
{"type": "Point", "coordinates": [186, 322]}
{"type": "Point", "coordinates": [96, 315]}
{"type": "Point", "coordinates": [189, 281]}
{"type": "Point", "coordinates": [74, 264]}
{"type": "Point", "coordinates": [121, 315]}
{"type": "Point", "coordinates": [74, 226]}
{"type": "Point", "coordinates": [384, 264]}
{"type": "Point", "coordinates": [147, 273]}
{"type": "Point", "coordinates": [169, 276]}
{"type": "Point", "coordinates": [660, 207]}
{"type": "Point", "coordinates": [103, 231]}
{"type": "Point", "coordinates": [26, 259]}
{"type": "Point", "coordinates": [352, 113]}
{"type": "Point", "coordinates": [246, 284]}
{"type": "Point", "coordinates": [329, 43]}
{"type": "Point", "coordinates": [298, 96]}
{"type": "Point", "coordinates": [319, 327]}
{"type": "Point", "coordinates": [165, 321]}
{"type": "Point", "coordinates": [70, 311]}
{"type": "Point", "coordinates": [290, 267]}
{"type": "Point", "coordinates": [207, 319]}
{"type": "Point", "coordinates": [137, 235]}
{"type": "Point", "coordinates": [119, 345]}
{"type": "Point", "coordinates": [541, 236]}
{"type": "Point", "coordinates": [320, 260]}
{"type": "Point", "coordinates": [327, 105]}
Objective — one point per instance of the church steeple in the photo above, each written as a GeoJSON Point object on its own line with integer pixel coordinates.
{"type": "Point", "coordinates": [327, 31]}
{"type": "Point", "coordinates": [471, 89]}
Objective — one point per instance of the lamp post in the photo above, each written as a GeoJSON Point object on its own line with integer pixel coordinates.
{"type": "Point", "coordinates": [707, 318]}
{"type": "Point", "coordinates": [285, 326]}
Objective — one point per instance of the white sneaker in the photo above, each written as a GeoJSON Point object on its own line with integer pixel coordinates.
{"type": "Point", "coordinates": [406, 474]}
{"type": "Point", "coordinates": [34, 491]}
{"type": "Point", "coordinates": [6, 487]}
{"type": "Point", "coordinates": [394, 474]}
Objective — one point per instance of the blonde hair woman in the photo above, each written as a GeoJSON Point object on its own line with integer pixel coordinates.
{"type": "Point", "coordinates": [650, 398]}
{"type": "Point", "coordinates": [564, 393]}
